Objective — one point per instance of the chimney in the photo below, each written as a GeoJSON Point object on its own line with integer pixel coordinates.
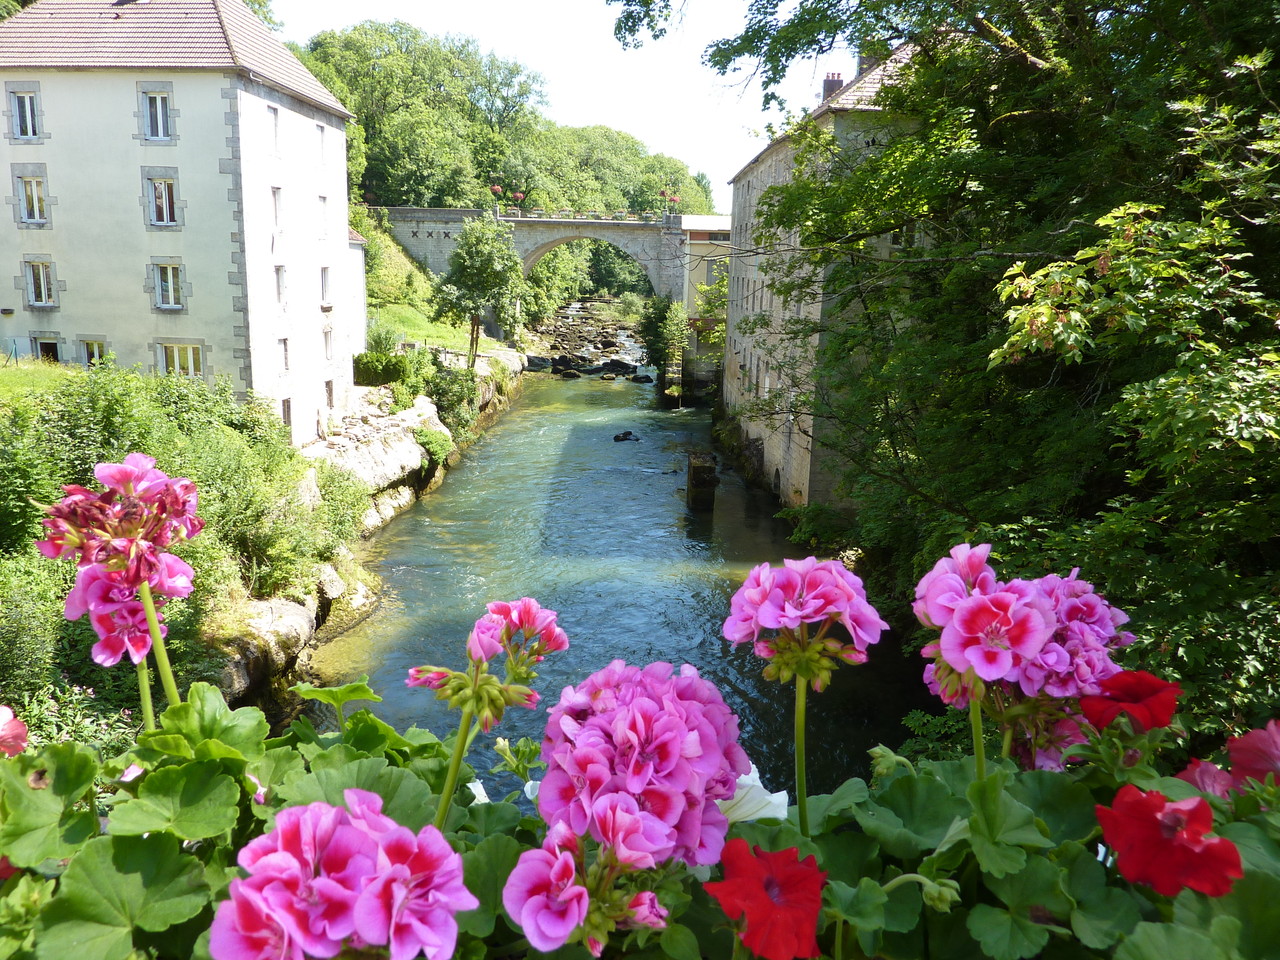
{"type": "Point", "coordinates": [830, 85]}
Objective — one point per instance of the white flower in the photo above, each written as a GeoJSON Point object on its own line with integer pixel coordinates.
{"type": "Point", "coordinates": [751, 801]}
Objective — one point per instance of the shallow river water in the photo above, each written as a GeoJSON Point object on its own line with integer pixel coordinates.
{"type": "Point", "coordinates": [548, 505]}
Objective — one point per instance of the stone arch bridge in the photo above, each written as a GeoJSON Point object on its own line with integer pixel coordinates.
{"type": "Point", "coordinates": [673, 251]}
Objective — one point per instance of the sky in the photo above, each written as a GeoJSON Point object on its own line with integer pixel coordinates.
{"type": "Point", "coordinates": [661, 93]}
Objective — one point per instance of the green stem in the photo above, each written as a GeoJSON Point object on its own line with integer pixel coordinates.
{"type": "Point", "coordinates": [455, 764]}
{"type": "Point", "coordinates": [802, 794]}
{"type": "Point", "coordinates": [157, 647]}
{"type": "Point", "coordinates": [1007, 744]}
{"type": "Point", "coordinates": [979, 749]}
{"type": "Point", "coordinates": [144, 695]}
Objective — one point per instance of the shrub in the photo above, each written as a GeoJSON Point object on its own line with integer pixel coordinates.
{"type": "Point", "coordinates": [436, 443]}
{"type": "Point", "coordinates": [31, 595]}
{"type": "Point", "coordinates": [455, 393]}
{"type": "Point", "coordinates": [373, 369]}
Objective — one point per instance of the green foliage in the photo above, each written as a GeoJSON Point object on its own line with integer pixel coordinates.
{"type": "Point", "coordinates": [663, 332]}
{"type": "Point", "coordinates": [437, 444]}
{"type": "Point", "coordinates": [456, 393]}
{"type": "Point", "coordinates": [485, 273]}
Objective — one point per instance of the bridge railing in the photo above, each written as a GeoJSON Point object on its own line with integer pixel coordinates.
{"type": "Point", "coordinates": [616, 216]}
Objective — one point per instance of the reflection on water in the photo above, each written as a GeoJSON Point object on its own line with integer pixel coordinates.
{"type": "Point", "coordinates": [548, 505]}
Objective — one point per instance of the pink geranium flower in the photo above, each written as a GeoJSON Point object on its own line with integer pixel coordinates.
{"type": "Point", "coordinates": [993, 634]}
{"type": "Point", "coordinates": [541, 895]}
{"type": "Point", "coordinates": [13, 733]}
{"type": "Point", "coordinates": [952, 579]}
{"type": "Point", "coordinates": [122, 630]}
{"type": "Point", "coordinates": [1207, 778]}
{"type": "Point", "coordinates": [485, 641]}
{"type": "Point", "coordinates": [247, 928]}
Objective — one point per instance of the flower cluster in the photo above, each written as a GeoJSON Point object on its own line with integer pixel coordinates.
{"type": "Point", "coordinates": [776, 895]}
{"type": "Point", "coordinates": [637, 760]}
{"type": "Point", "coordinates": [787, 600]}
{"type": "Point", "coordinates": [119, 538]}
{"type": "Point", "coordinates": [327, 878]}
{"type": "Point", "coordinates": [1048, 639]}
{"type": "Point", "coordinates": [526, 632]}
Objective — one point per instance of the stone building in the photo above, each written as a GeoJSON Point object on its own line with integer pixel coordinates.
{"type": "Point", "coordinates": [782, 446]}
{"type": "Point", "coordinates": [177, 193]}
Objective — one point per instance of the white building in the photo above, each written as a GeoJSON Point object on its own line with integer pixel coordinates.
{"type": "Point", "coordinates": [177, 187]}
{"type": "Point", "coordinates": [763, 368]}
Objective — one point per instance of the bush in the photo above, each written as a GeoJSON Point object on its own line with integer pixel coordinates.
{"type": "Point", "coordinates": [436, 443]}
{"type": "Point", "coordinates": [378, 369]}
{"type": "Point", "coordinates": [31, 595]}
{"type": "Point", "coordinates": [455, 393]}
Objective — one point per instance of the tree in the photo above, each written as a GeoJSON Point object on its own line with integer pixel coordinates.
{"type": "Point", "coordinates": [485, 273]}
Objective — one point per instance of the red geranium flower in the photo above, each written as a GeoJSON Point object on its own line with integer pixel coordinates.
{"type": "Point", "coordinates": [778, 894]}
{"type": "Point", "coordinates": [1149, 701]}
{"type": "Point", "coordinates": [1256, 754]}
{"type": "Point", "coordinates": [1164, 845]}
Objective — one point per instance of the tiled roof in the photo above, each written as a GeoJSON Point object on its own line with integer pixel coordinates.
{"type": "Point", "coordinates": [354, 236]}
{"type": "Point", "coordinates": [860, 92]}
{"type": "Point", "coordinates": [156, 34]}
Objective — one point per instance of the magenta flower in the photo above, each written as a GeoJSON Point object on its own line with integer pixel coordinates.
{"type": "Point", "coordinates": [485, 641]}
{"type": "Point", "coordinates": [246, 927]}
{"type": "Point", "coordinates": [1207, 778]}
{"type": "Point", "coordinates": [638, 838]}
{"type": "Point", "coordinates": [1256, 754]}
{"type": "Point", "coordinates": [542, 897]}
{"type": "Point", "coordinates": [646, 911]}
{"type": "Point", "coordinates": [412, 898]}
{"type": "Point", "coordinates": [953, 579]}
{"type": "Point", "coordinates": [993, 634]}
{"type": "Point", "coordinates": [122, 630]}
{"type": "Point", "coordinates": [13, 733]}
{"type": "Point", "coordinates": [426, 677]}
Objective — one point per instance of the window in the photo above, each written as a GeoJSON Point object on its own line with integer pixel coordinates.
{"type": "Point", "coordinates": [284, 352]}
{"type": "Point", "coordinates": [324, 285]}
{"type": "Point", "coordinates": [94, 351]}
{"type": "Point", "coordinates": [277, 209]}
{"type": "Point", "coordinates": [164, 209]}
{"type": "Point", "coordinates": [24, 106]}
{"type": "Point", "coordinates": [328, 394]}
{"type": "Point", "coordinates": [157, 124]}
{"type": "Point", "coordinates": [718, 237]}
{"type": "Point", "coordinates": [273, 118]}
{"type": "Point", "coordinates": [47, 350]}
{"type": "Point", "coordinates": [168, 282]}
{"type": "Point", "coordinates": [183, 358]}
{"type": "Point", "coordinates": [328, 346]}
{"type": "Point", "coordinates": [279, 284]}
{"type": "Point", "coordinates": [41, 291]}
{"type": "Point", "coordinates": [31, 199]}
{"type": "Point", "coordinates": [320, 141]}
{"type": "Point", "coordinates": [323, 228]}
{"type": "Point", "coordinates": [286, 411]}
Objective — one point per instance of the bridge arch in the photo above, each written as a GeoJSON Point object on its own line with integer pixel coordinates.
{"type": "Point", "coordinates": [663, 248]}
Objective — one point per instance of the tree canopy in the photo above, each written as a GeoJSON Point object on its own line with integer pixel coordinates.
{"type": "Point", "coordinates": [1051, 300]}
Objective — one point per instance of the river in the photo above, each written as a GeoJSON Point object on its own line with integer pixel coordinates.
{"type": "Point", "coordinates": [548, 505]}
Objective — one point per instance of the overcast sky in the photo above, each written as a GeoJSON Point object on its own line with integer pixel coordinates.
{"type": "Point", "coordinates": [660, 94]}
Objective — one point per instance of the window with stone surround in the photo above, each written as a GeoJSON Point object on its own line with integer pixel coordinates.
{"type": "Point", "coordinates": [156, 114]}
{"type": "Point", "coordinates": [24, 112]}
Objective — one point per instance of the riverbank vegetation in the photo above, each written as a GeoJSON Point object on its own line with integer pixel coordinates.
{"type": "Point", "coordinates": [1048, 264]}
{"type": "Point", "coordinates": [263, 539]}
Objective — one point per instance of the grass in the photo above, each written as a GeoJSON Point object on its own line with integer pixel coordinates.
{"type": "Point", "coordinates": [25, 375]}
{"type": "Point", "coordinates": [418, 326]}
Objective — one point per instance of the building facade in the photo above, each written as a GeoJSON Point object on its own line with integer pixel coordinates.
{"type": "Point", "coordinates": [767, 375]}
{"type": "Point", "coordinates": [177, 196]}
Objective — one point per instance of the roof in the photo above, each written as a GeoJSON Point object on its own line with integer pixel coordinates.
{"type": "Point", "coordinates": [712, 222]}
{"type": "Point", "coordinates": [355, 236]}
{"type": "Point", "coordinates": [221, 35]}
{"type": "Point", "coordinates": [858, 94]}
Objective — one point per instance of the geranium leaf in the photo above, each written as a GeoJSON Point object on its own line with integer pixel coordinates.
{"type": "Point", "coordinates": [337, 697]}
{"type": "Point", "coordinates": [40, 809]}
{"type": "Point", "coordinates": [846, 856]}
{"type": "Point", "coordinates": [1252, 901]}
{"type": "Point", "coordinates": [192, 801]}
{"type": "Point", "coordinates": [1103, 914]}
{"type": "Point", "coordinates": [679, 943]}
{"type": "Point", "coordinates": [910, 816]}
{"type": "Point", "coordinates": [1000, 827]}
{"type": "Point", "coordinates": [205, 716]}
{"type": "Point", "coordinates": [1168, 941]}
{"type": "Point", "coordinates": [485, 872]}
{"type": "Point", "coordinates": [488, 819]}
{"type": "Point", "coordinates": [370, 735]}
{"type": "Point", "coordinates": [862, 906]}
{"type": "Point", "coordinates": [1006, 936]}
{"type": "Point", "coordinates": [831, 806]}
{"type": "Point", "coordinates": [114, 885]}
{"type": "Point", "coordinates": [165, 745]}
{"type": "Point", "coordinates": [405, 798]}
{"type": "Point", "coordinates": [1065, 808]}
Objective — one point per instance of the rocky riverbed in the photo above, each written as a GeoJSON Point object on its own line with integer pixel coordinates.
{"type": "Point", "coordinates": [582, 341]}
